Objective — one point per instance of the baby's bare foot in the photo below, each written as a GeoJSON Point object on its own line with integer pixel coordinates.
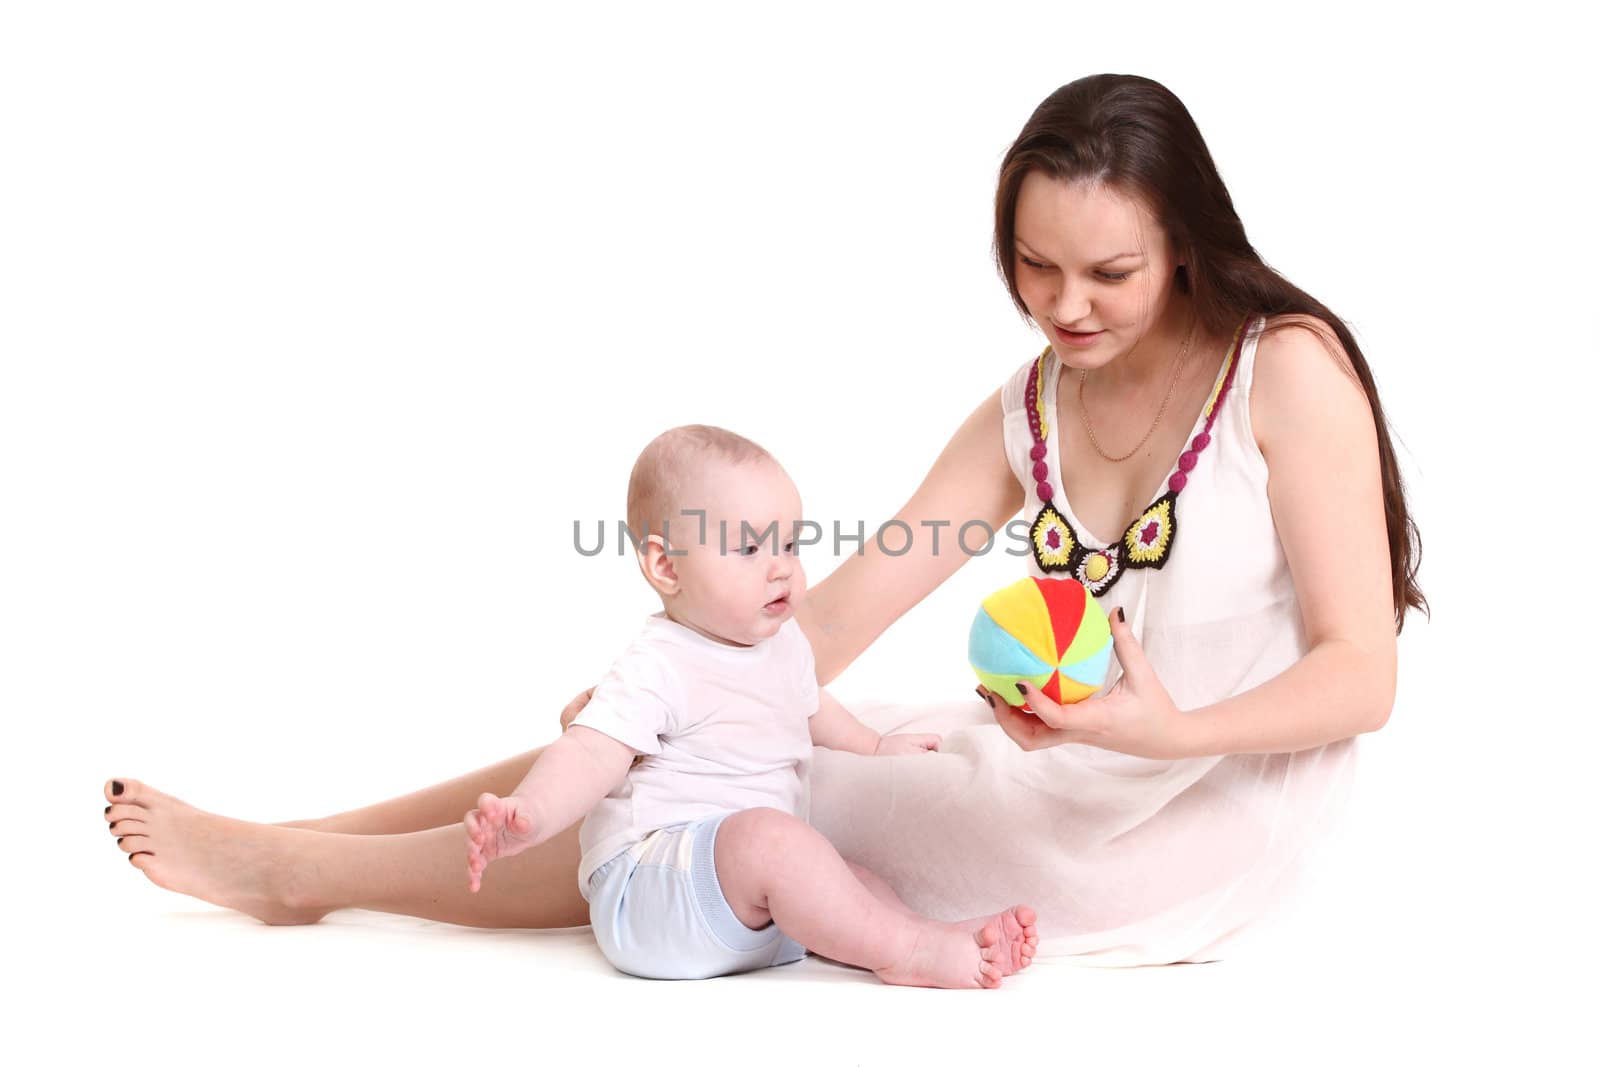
{"type": "Point", "coordinates": [235, 864]}
{"type": "Point", "coordinates": [1015, 938]}
{"type": "Point", "coordinates": [948, 956]}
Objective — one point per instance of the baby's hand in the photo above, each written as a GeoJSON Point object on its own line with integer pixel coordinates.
{"type": "Point", "coordinates": [495, 828]}
{"type": "Point", "coordinates": [907, 744]}
{"type": "Point", "coordinates": [575, 705]}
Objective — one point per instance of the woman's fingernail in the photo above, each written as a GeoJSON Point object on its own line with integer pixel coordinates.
{"type": "Point", "coordinates": [1022, 687]}
{"type": "Point", "coordinates": [979, 691]}
{"type": "Point", "coordinates": [1120, 616]}
{"type": "Point", "coordinates": [116, 789]}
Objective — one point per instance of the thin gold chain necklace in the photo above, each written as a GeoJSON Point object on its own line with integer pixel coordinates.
{"type": "Point", "coordinates": [1083, 412]}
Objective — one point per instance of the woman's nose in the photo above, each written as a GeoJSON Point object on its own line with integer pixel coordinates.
{"type": "Point", "coordinates": [1071, 304]}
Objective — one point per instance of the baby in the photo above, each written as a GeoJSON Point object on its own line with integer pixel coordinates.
{"type": "Point", "coordinates": [697, 858]}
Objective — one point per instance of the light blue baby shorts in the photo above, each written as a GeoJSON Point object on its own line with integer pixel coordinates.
{"type": "Point", "coordinates": [658, 911]}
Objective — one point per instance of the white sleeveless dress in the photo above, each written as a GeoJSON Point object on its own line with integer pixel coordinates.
{"type": "Point", "coordinates": [1128, 860]}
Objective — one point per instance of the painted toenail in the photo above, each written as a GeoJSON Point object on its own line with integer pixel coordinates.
{"type": "Point", "coordinates": [108, 809]}
{"type": "Point", "coordinates": [116, 789]}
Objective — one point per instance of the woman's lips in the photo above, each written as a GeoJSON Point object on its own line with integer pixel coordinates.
{"type": "Point", "coordinates": [1076, 338]}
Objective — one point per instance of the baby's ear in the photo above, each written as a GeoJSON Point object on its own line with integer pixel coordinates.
{"type": "Point", "coordinates": [658, 568]}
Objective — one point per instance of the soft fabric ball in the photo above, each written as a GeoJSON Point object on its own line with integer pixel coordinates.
{"type": "Point", "coordinates": [1048, 632]}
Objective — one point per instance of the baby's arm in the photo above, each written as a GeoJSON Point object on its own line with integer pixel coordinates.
{"type": "Point", "coordinates": [834, 727]}
{"type": "Point", "coordinates": [569, 777]}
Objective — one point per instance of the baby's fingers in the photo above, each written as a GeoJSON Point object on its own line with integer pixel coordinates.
{"type": "Point", "coordinates": [477, 828]}
{"type": "Point", "coordinates": [491, 807]}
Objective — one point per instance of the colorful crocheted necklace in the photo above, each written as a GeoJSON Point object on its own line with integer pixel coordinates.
{"type": "Point", "coordinates": [1148, 540]}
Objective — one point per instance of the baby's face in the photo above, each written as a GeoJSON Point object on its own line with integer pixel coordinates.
{"type": "Point", "coordinates": [740, 595]}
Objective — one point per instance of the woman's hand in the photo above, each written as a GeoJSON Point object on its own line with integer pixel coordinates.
{"type": "Point", "coordinates": [576, 705]}
{"type": "Point", "coordinates": [1135, 716]}
{"type": "Point", "coordinates": [907, 744]}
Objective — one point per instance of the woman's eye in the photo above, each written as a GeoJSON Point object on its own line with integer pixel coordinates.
{"type": "Point", "coordinates": [1030, 263]}
{"type": "Point", "coordinates": [1115, 276]}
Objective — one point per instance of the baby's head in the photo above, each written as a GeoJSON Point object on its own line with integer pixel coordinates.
{"type": "Point", "coordinates": [732, 575]}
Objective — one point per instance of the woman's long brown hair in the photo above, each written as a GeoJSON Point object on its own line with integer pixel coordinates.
{"type": "Point", "coordinates": [1134, 134]}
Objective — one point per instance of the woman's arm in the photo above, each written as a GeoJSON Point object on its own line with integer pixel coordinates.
{"type": "Point", "coordinates": [1316, 430]}
{"type": "Point", "coordinates": [1317, 433]}
{"type": "Point", "coordinates": [970, 480]}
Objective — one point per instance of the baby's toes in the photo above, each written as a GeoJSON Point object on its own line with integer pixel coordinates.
{"type": "Point", "coordinates": [989, 976]}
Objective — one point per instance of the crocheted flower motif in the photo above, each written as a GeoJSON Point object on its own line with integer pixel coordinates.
{"type": "Point", "coordinates": [1099, 568]}
{"type": "Point", "coordinates": [1149, 539]}
{"type": "Point", "coordinates": [1053, 542]}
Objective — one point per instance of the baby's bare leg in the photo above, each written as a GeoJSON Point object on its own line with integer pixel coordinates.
{"type": "Point", "coordinates": [880, 889]}
{"type": "Point", "coordinates": [284, 875]}
{"type": "Point", "coordinates": [439, 805]}
{"type": "Point", "coordinates": [774, 867]}
{"type": "Point", "coordinates": [1017, 927]}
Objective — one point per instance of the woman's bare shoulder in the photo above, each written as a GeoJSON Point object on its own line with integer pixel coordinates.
{"type": "Point", "coordinates": [1304, 378]}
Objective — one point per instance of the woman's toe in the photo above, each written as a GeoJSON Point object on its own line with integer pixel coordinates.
{"type": "Point", "coordinates": [123, 790]}
{"type": "Point", "coordinates": [134, 843]}
{"type": "Point", "coordinates": [121, 812]}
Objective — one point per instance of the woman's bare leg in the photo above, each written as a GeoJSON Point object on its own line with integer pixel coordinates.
{"type": "Point", "coordinates": [439, 805]}
{"type": "Point", "coordinates": [285, 875]}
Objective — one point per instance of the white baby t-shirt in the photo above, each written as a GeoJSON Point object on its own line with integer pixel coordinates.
{"type": "Point", "coordinates": [723, 728]}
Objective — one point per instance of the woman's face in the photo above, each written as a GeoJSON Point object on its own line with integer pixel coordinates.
{"type": "Point", "coordinates": [1094, 268]}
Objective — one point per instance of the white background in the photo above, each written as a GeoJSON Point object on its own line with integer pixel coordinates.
{"type": "Point", "coordinates": [322, 323]}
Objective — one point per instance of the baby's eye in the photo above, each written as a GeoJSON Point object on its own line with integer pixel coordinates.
{"type": "Point", "coordinates": [790, 547]}
{"type": "Point", "coordinates": [749, 550]}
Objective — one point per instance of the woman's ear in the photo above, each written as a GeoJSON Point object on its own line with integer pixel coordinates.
{"type": "Point", "coordinates": [659, 568]}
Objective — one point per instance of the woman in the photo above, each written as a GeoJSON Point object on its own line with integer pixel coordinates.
{"type": "Point", "coordinates": [1201, 444]}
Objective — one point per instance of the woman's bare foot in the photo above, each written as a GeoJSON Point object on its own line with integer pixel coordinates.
{"type": "Point", "coordinates": [1016, 937]}
{"type": "Point", "coordinates": [240, 865]}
